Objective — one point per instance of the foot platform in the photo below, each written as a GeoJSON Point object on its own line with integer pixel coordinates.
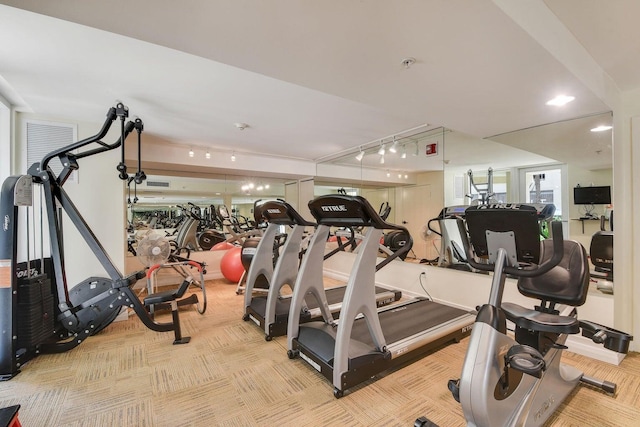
{"type": "Point", "coordinates": [525, 359]}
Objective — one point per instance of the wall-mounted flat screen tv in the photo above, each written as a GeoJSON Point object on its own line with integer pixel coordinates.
{"type": "Point", "coordinates": [592, 195]}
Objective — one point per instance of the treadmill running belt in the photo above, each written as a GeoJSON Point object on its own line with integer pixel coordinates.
{"type": "Point", "coordinates": [410, 319]}
{"type": "Point", "coordinates": [397, 324]}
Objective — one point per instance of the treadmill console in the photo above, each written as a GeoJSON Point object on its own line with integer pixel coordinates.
{"type": "Point", "coordinates": [342, 210]}
{"type": "Point", "coordinates": [452, 212]}
{"type": "Point", "coordinates": [281, 212]}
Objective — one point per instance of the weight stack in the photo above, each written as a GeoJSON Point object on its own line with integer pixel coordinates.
{"type": "Point", "coordinates": [35, 311]}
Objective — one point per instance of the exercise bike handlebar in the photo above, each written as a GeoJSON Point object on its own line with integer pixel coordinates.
{"type": "Point", "coordinates": [538, 270]}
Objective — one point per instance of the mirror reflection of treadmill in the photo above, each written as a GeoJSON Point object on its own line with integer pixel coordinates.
{"type": "Point", "coordinates": [367, 341]}
{"type": "Point", "coordinates": [451, 251]}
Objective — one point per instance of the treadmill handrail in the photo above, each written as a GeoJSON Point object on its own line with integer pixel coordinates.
{"type": "Point", "coordinates": [558, 252]}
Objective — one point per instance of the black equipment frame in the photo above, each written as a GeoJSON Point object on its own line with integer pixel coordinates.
{"type": "Point", "coordinates": [80, 314]}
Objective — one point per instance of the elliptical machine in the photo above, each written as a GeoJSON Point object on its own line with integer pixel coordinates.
{"type": "Point", "coordinates": [521, 381]}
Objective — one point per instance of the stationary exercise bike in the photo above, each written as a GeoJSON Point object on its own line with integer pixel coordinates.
{"type": "Point", "coordinates": [519, 380]}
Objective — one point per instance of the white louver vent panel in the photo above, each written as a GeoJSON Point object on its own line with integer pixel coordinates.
{"type": "Point", "coordinates": [43, 138]}
{"type": "Point", "coordinates": [157, 184]}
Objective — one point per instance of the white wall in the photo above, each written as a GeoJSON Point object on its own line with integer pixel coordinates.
{"type": "Point", "coordinates": [5, 139]}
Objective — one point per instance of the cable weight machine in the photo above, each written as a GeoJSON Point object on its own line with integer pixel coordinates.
{"type": "Point", "coordinates": [94, 303]}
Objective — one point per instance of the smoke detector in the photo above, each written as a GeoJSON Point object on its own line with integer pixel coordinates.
{"type": "Point", "coordinates": [242, 126]}
{"type": "Point", "coordinates": [408, 62]}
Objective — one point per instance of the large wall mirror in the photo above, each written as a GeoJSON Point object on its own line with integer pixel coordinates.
{"type": "Point", "coordinates": [402, 171]}
{"type": "Point", "coordinates": [161, 201]}
{"type": "Point", "coordinates": [542, 163]}
{"type": "Point", "coordinates": [417, 172]}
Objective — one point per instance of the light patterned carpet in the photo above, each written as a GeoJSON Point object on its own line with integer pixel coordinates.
{"type": "Point", "coordinates": [230, 376]}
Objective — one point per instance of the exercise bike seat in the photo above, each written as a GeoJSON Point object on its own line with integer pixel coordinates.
{"type": "Point", "coordinates": [535, 320]}
{"type": "Point", "coordinates": [566, 283]}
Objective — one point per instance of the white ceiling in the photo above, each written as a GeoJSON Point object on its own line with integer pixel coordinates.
{"type": "Point", "coordinates": [312, 79]}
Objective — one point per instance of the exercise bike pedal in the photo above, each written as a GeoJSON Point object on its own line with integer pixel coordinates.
{"type": "Point", "coordinates": [525, 359]}
{"type": "Point", "coordinates": [454, 388]}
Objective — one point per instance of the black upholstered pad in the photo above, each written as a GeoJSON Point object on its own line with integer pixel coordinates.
{"type": "Point", "coordinates": [537, 321]}
{"type": "Point", "coordinates": [566, 283]}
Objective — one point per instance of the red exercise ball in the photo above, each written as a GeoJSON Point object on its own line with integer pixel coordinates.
{"type": "Point", "coordinates": [222, 246]}
{"type": "Point", "coordinates": [231, 264]}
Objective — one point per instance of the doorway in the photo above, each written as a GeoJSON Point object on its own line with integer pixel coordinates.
{"type": "Point", "coordinates": [415, 210]}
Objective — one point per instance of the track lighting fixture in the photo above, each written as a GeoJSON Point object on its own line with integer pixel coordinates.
{"type": "Point", "coordinates": [360, 155]}
{"type": "Point", "coordinates": [208, 155]}
{"type": "Point", "coordinates": [393, 148]}
{"type": "Point", "coordinates": [191, 153]}
{"type": "Point", "coordinates": [233, 156]}
{"type": "Point", "coordinates": [404, 152]}
{"type": "Point", "coordinates": [381, 151]}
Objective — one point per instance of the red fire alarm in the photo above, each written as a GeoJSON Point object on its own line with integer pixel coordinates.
{"type": "Point", "coordinates": [432, 149]}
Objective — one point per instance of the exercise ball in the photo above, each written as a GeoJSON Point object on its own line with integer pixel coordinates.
{"type": "Point", "coordinates": [231, 265]}
{"type": "Point", "coordinates": [249, 248]}
{"type": "Point", "coordinates": [222, 246]}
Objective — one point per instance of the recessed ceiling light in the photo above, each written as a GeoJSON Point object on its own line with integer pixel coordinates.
{"type": "Point", "coordinates": [601, 128]}
{"type": "Point", "coordinates": [560, 100]}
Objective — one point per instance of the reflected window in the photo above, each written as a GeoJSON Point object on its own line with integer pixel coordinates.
{"type": "Point", "coordinates": [544, 186]}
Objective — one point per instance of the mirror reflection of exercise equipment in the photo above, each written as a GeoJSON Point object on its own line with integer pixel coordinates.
{"type": "Point", "coordinates": [601, 254]}
{"type": "Point", "coordinates": [481, 193]}
{"type": "Point", "coordinates": [451, 252]}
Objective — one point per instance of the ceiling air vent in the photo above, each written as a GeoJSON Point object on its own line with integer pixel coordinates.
{"type": "Point", "coordinates": [157, 184]}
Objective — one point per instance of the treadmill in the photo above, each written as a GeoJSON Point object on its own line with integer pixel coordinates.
{"type": "Point", "coordinates": [271, 311]}
{"type": "Point", "coordinates": [366, 340]}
